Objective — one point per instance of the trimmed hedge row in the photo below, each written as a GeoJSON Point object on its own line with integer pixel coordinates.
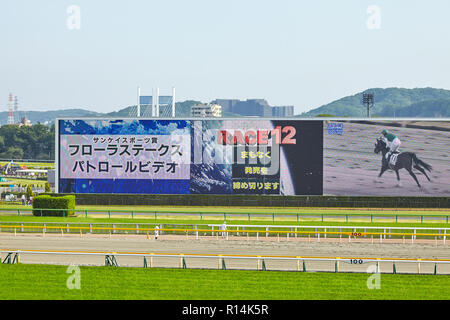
{"type": "Point", "coordinates": [53, 203]}
{"type": "Point", "coordinates": [262, 200]}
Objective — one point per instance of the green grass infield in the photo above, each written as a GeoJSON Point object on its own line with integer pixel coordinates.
{"type": "Point", "coordinates": [32, 282]}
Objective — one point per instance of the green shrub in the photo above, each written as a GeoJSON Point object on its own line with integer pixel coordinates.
{"type": "Point", "coordinates": [47, 187]}
{"type": "Point", "coordinates": [66, 204]}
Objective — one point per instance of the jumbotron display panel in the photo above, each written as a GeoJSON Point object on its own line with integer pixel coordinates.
{"type": "Point", "coordinates": [250, 156]}
{"type": "Point", "coordinates": [239, 156]}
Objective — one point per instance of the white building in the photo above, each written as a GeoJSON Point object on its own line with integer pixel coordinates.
{"type": "Point", "coordinates": [206, 110]}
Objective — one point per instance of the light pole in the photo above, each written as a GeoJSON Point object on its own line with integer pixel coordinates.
{"type": "Point", "coordinates": [368, 102]}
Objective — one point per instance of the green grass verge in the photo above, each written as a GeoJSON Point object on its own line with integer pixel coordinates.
{"type": "Point", "coordinates": [23, 182]}
{"type": "Point", "coordinates": [49, 282]}
{"type": "Point", "coordinates": [253, 210]}
{"type": "Point", "coordinates": [82, 219]}
{"type": "Point", "coordinates": [32, 165]}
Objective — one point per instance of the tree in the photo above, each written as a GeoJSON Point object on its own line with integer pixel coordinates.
{"type": "Point", "coordinates": [27, 142]}
{"type": "Point", "coordinates": [47, 187]}
{"type": "Point", "coordinates": [29, 193]}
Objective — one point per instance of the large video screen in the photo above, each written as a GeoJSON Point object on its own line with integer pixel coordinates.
{"type": "Point", "coordinates": [142, 156]}
{"type": "Point", "coordinates": [352, 162]}
{"type": "Point", "coordinates": [255, 156]}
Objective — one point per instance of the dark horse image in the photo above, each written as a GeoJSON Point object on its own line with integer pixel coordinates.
{"type": "Point", "coordinates": [405, 160]}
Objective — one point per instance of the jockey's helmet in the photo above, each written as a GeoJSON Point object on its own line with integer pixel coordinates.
{"type": "Point", "coordinates": [384, 132]}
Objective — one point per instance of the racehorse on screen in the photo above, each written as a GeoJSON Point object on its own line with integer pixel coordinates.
{"type": "Point", "coordinates": [405, 160]}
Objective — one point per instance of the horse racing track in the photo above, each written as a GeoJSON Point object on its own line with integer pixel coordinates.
{"type": "Point", "coordinates": [326, 257]}
{"type": "Point", "coordinates": [242, 252]}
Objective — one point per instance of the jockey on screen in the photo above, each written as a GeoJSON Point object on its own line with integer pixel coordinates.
{"type": "Point", "coordinates": [392, 142]}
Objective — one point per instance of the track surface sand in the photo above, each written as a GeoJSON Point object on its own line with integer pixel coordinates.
{"type": "Point", "coordinates": [209, 245]}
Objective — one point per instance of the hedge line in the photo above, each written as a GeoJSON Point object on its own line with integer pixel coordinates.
{"type": "Point", "coordinates": [67, 203]}
{"type": "Point", "coordinates": [262, 200]}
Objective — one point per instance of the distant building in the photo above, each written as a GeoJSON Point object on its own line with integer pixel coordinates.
{"type": "Point", "coordinates": [25, 122]}
{"type": "Point", "coordinates": [254, 107]}
{"type": "Point", "coordinates": [206, 110]}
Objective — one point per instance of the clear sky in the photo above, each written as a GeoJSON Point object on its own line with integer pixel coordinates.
{"type": "Point", "coordinates": [290, 52]}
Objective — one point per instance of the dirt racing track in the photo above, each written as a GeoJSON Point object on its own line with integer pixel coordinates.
{"type": "Point", "coordinates": [176, 244]}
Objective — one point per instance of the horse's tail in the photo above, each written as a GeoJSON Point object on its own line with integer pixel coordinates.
{"type": "Point", "coordinates": [420, 162]}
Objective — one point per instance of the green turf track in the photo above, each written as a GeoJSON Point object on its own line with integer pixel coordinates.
{"type": "Point", "coordinates": [253, 218]}
{"type": "Point", "coordinates": [109, 221]}
{"type": "Point", "coordinates": [49, 282]}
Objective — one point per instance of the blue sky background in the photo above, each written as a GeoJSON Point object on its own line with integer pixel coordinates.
{"type": "Point", "coordinates": [290, 52]}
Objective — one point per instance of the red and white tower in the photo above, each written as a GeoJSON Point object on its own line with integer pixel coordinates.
{"type": "Point", "coordinates": [11, 112]}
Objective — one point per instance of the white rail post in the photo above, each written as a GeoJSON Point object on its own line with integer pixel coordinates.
{"type": "Point", "coordinates": [267, 233]}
